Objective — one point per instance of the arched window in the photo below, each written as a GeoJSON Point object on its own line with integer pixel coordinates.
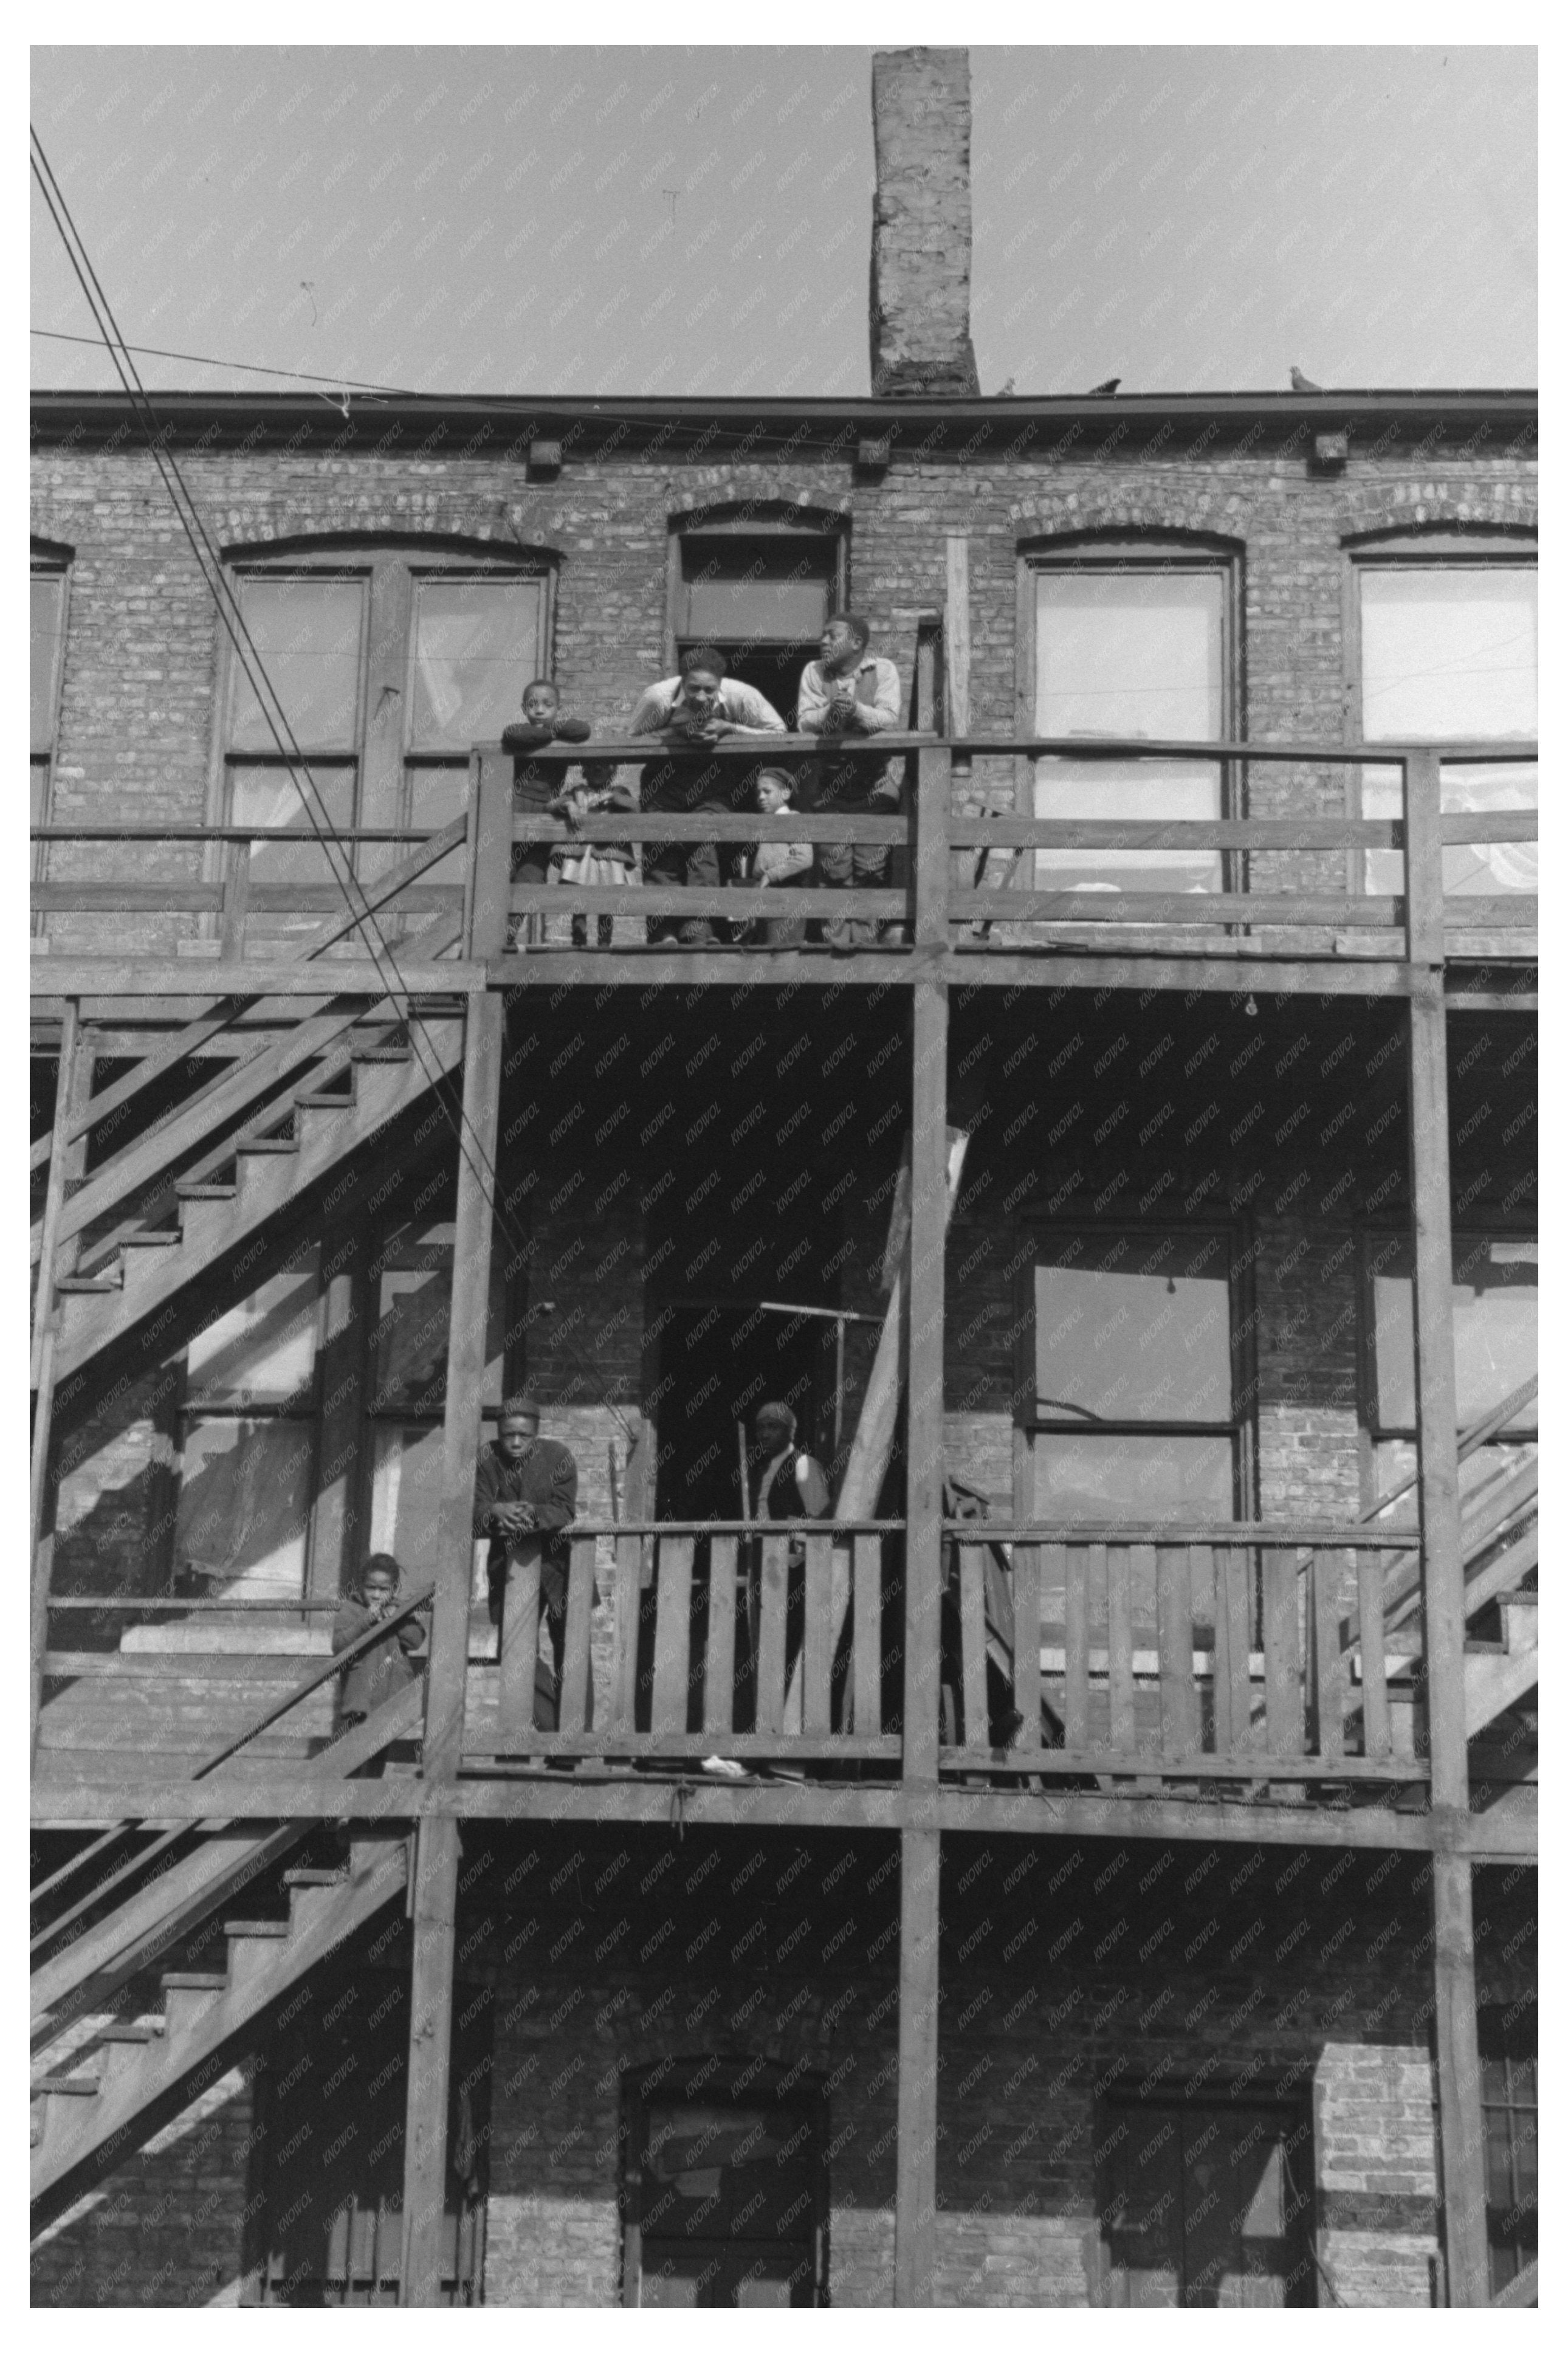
{"type": "Point", "coordinates": [390, 660]}
{"type": "Point", "coordinates": [1442, 647]}
{"type": "Point", "coordinates": [1129, 637]}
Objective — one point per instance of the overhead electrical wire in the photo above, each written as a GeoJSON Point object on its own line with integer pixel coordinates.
{"type": "Point", "coordinates": [247, 367]}
{"type": "Point", "coordinates": [336, 852]}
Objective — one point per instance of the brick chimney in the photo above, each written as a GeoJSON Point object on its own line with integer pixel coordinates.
{"type": "Point", "coordinates": [920, 225]}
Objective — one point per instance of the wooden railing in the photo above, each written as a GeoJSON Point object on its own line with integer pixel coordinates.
{"type": "Point", "coordinates": [1203, 1653]}
{"type": "Point", "coordinates": [726, 1643]}
{"type": "Point", "coordinates": [934, 902]}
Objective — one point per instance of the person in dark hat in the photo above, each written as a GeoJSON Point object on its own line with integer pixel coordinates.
{"type": "Point", "coordinates": [525, 1496]}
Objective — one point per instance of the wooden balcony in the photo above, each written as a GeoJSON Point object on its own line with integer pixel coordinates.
{"type": "Point", "coordinates": [967, 903]}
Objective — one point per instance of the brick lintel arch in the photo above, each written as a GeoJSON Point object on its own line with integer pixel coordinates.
{"type": "Point", "coordinates": [1365, 511]}
{"type": "Point", "coordinates": [1177, 511]}
{"type": "Point", "coordinates": [767, 512]}
{"type": "Point", "coordinates": [250, 538]}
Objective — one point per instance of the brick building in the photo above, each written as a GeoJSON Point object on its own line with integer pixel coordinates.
{"type": "Point", "coordinates": [1133, 1907]}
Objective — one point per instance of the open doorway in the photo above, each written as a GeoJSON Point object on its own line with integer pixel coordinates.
{"type": "Point", "coordinates": [716, 1361]}
{"type": "Point", "coordinates": [724, 2200]}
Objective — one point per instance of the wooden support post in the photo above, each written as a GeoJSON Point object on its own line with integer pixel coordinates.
{"type": "Point", "coordinates": [914, 2222]}
{"type": "Point", "coordinates": [955, 638]}
{"type": "Point", "coordinates": [429, 2061]}
{"type": "Point", "coordinates": [436, 1852]}
{"type": "Point", "coordinates": [1442, 1550]}
{"type": "Point", "coordinates": [915, 2216]}
{"type": "Point", "coordinates": [72, 1087]}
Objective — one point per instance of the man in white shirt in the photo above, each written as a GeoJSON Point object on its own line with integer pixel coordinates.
{"type": "Point", "coordinates": [699, 706]}
{"type": "Point", "coordinates": [851, 692]}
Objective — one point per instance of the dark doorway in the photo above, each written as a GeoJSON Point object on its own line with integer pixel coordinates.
{"type": "Point", "coordinates": [1201, 2205]}
{"type": "Point", "coordinates": [331, 2092]}
{"type": "Point", "coordinates": [718, 1360]}
{"type": "Point", "coordinates": [725, 2196]}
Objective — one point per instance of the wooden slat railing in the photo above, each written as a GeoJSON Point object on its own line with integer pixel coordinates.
{"type": "Point", "coordinates": [940, 770]}
{"type": "Point", "coordinates": [704, 1626]}
{"type": "Point", "coordinates": [1187, 1655]}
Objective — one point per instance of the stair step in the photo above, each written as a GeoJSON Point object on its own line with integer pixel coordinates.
{"type": "Point", "coordinates": [206, 1192]}
{"type": "Point", "coordinates": [322, 1100]}
{"type": "Point", "coordinates": [89, 1286]}
{"type": "Point", "coordinates": [68, 2087]}
{"type": "Point", "coordinates": [152, 1238]}
{"type": "Point", "coordinates": [266, 1143]}
{"type": "Point", "coordinates": [382, 1053]}
{"type": "Point", "coordinates": [188, 1995]}
{"type": "Point", "coordinates": [252, 1946]}
{"type": "Point", "coordinates": [123, 2049]}
{"type": "Point", "coordinates": [307, 1877]}
{"type": "Point", "coordinates": [256, 1927]}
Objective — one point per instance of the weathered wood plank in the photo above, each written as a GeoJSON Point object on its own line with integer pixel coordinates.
{"type": "Point", "coordinates": [672, 1635]}
{"type": "Point", "coordinates": [1120, 1564]}
{"type": "Point", "coordinates": [1174, 1608]}
{"type": "Point", "coordinates": [1081, 1567]}
{"type": "Point", "coordinates": [868, 1634]}
{"type": "Point", "coordinates": [1027, 1562]}
{"type": "Point", "coordinates": [520, 1643]}
{"type": "Point", "coordinates": [817, 1716]}
{"type": "Point", "coordinates": [1376, 1740]}
{"type": "Point", "coordinates": [775, 1584]}
{"type": "Point", "coordinates": [435, 1858]}
{"type": "Point", "coordinates": [914, 2219]}
{"type": "Point", "coordinates": [971, 1641]}
{"type": "Point", "coordinates": [629, 1620]}
{"type": "Point", "coordinates": [719, 1659]}
{"type": "Point", "coordinates": [1329, 1676]}
{"type": "Point", "coordinates": [576, 1663]}
{"type": "Point", "coordinates": [1283, 1656]}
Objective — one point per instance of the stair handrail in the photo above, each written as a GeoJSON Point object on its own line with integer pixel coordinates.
{"type": "Point", "coordinates": [319, 1675]}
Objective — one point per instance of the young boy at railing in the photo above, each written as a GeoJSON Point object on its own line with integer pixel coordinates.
{"type": "Point", "coordinates": [534, 786]}
{"type": "Point", "coordinates": [779, 863]}
{"type": "Point", "coordinates": [384, 1670]}
{"type": "Point", "coordinates": [597, 862]}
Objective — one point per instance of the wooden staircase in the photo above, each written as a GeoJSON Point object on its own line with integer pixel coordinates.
{"type": "Point", "coordinates": [144, 2071]}
{"type": "Point", "coordinates": [365, 1079]}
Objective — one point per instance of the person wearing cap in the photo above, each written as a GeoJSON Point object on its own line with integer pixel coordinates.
{"type": "Point", "coordinates": [701, 706]}
{"type": "Point", "coordinates": [525, 1496]}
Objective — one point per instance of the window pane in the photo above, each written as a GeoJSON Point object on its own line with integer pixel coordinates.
{"type": "Point", "coordinates": [435, 795]}
{"type": "Point", "coordinates": [1133, 653]}
{"type": "Point", "coordinates": [405, 1499]}
{"type": "Point", "coordinates": [736, 590]}
{"type": "Point", "coordinates": [476, 646]}
{"type": "Point", "coordinates": [1495, 1329]}
{"type": "Point", "coordinates": [269, 797]}
{"type": "Point", "coordinates": [1117, 1478]}
{"type": "Point", "coordinates": [1450, 652]}
{"type": "Point", "coordinates": [307, 633]}
{"type": "Point", "coordinates": [38, 790]}
{"type": "Point", "coordinates": [1136, 653]}
{"type": "Point", "coordinates": [1486, 869]}
{"type": "Point", "coordinates": [48, 603]}
{"type": "Point", "coordinates": [1133, 1327]}
{"type": "Point", "coordinates": [263, 1352]}
{"type": "Point", "coordinates": [245, 1502]}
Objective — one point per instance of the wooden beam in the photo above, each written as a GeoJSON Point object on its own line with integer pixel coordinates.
{"type": "Point", "coordinates": [956, 637]}
{"type": "Point", "coordinates": [75, 1789]}
{"type": "Point", "coordinates": [1442, 1546]}
{"type": "Point", "coordinates": [58, 1255]}
{"type": "Point", "coordinates": [115, 977]}
{"type": "Point", "coordinates": [914, 2217]}
{"type": "Point", "coordinates": [928, 1234]}
{"type": "Point", "coordinates": [437, 1847]}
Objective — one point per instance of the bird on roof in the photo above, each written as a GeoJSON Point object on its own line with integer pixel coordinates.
{"type": "Point", "coordinates": [1006, 389]}
{"type": "Point", "coordinates": [1300, 382]}
{"type": "Point", "coordinates": [1103, 391]}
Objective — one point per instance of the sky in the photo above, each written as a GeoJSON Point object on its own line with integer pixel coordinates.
{"type": "Point", "coordinates": [697, 221]}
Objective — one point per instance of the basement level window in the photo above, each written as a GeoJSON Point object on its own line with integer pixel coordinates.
{"type": "Point", "coordinates": [1129, 642]}
{"type": "Point", "coordinates": [725, 2197]}
{"type": "Point", "coordinates": [1206, 2206]}
{"type": "Point", "coordinates": [1447, 645]}
{"type": "Point", "coordinates": [1510, 2119]}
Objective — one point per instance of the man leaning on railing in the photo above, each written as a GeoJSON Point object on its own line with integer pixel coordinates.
{"type": "Point", "coordinates": [701, 706]}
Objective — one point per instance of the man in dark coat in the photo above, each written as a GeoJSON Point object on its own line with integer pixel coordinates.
{"type": "Point", "coordinates": [525, 1494]}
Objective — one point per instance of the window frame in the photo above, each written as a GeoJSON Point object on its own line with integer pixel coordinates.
{"type": "Point", "coordinates": [1185, 2102]}
{"type": "Point", "coordinates": [47, 562]}
{"type": "Point", "coordinates": [1440, 547]}
{"type": "Point", "coordinates": [1371, 1431]}
{"type": "Point", "coordinates": [1493, 2021]}
{"type": "Point", "coordinates": [1241, 1429]}
{"type": "Point", "coordinates": [384, 761]}
{"type": "Point", "coordinates": [769, 521]}
{"type": "Point", "coordinates": [1149, 551]}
